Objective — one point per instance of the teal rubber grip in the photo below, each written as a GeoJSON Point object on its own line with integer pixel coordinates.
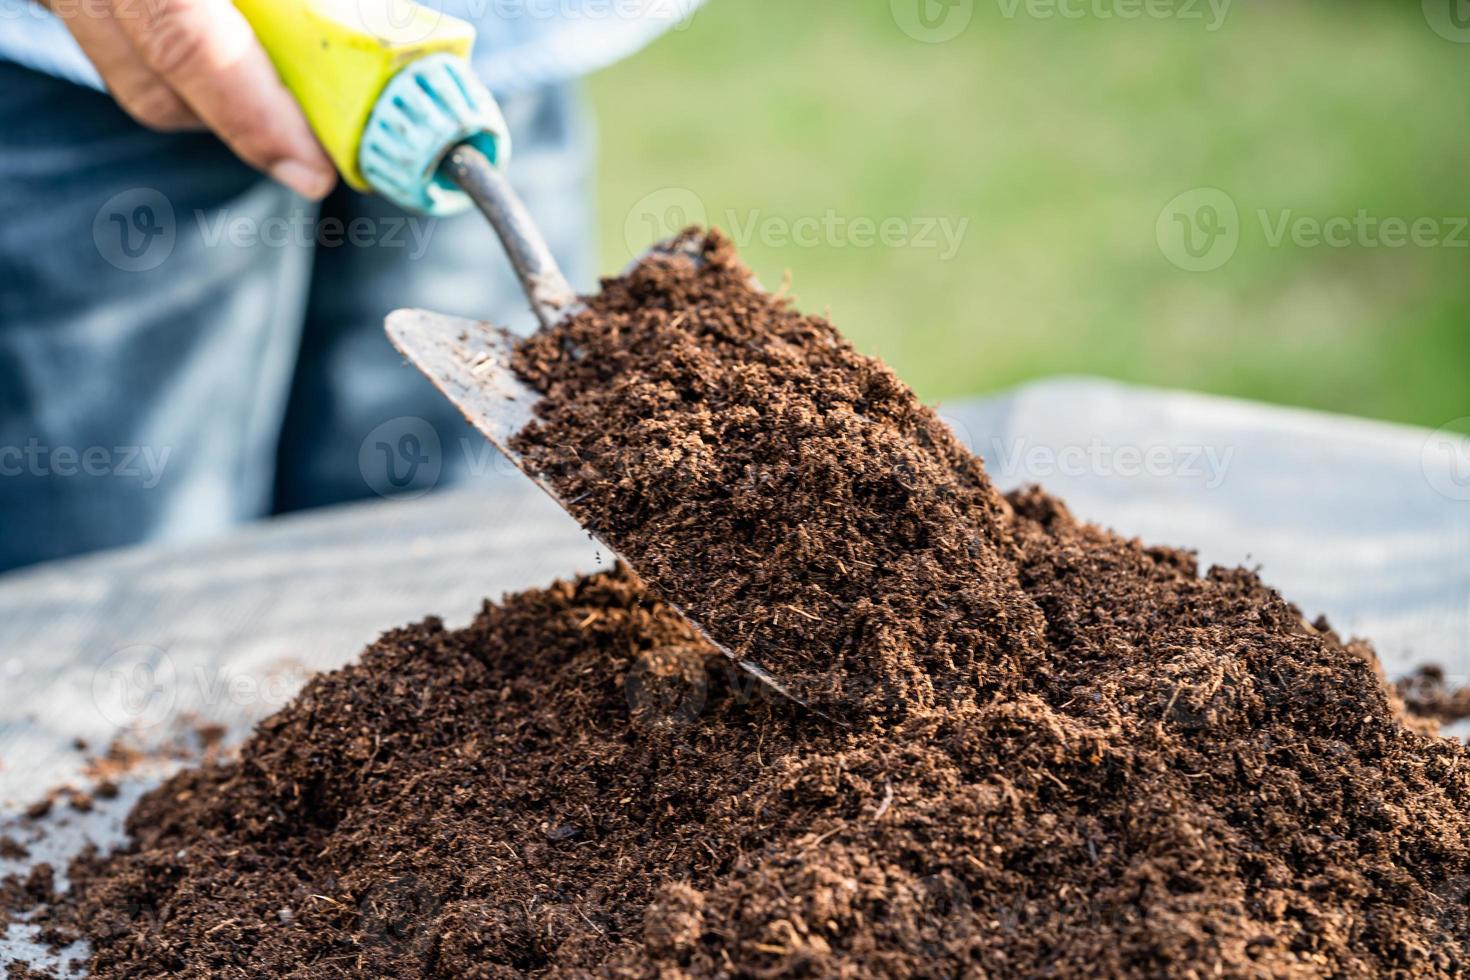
{"type": "Point", "coordinates": [424, 111]}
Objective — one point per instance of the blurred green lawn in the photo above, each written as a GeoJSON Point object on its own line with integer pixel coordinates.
{"type": "Point", "coordinates": [1062, 140]}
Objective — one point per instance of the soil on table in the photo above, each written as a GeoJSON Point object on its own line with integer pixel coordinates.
{"type": "Point", "coordinates": [789, 494]}
{"type": "Point", "coordinates": [1044, 749]}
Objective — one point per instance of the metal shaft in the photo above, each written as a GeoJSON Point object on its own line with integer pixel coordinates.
{"type": "Point", "coordinates": [552, 298]}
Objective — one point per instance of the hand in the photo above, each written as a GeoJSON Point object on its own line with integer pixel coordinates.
{"type": "Point", "coordinates": [195, 64]}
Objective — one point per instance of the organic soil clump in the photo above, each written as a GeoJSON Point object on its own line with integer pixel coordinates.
{"type": "Point", "coordinates": [789, 494]}
{"type": "Point", "coordinates": [1095, 762]}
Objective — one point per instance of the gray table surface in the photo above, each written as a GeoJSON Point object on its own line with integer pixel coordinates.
{"type": "Point", "coordinates": [1366, 522]}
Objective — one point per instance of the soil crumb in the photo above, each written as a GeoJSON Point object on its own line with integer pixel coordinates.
{"type": "Point", "coordinates": [1059, 752]}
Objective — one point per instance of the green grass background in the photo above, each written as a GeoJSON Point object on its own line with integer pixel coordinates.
{"type": "Point", "coordinates": [1061, 139]}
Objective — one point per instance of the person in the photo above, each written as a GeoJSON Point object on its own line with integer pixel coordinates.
{"type": "Point", "coordinates": [191, 302]}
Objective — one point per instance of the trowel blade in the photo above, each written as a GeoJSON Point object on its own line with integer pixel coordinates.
{"type": "Point", "coordinates": [470, 362]}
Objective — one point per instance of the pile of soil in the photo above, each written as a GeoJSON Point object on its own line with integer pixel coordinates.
{"type": "Point", "coordinates": [790, 495]}
{"type": "Point", "coordinates": [1044, 749]}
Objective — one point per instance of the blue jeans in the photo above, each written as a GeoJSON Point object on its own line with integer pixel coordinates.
{"type": "Point", "coordinates": [185, 346]}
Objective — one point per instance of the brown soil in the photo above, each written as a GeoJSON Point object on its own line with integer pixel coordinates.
{"type": "Point", "coordinates": [789, 494]}
{"type": "Point", "coordinates": [1060, 752]}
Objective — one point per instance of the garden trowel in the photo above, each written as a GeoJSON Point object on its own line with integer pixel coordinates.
{"type": "Point", "coordinates": [388, 89]}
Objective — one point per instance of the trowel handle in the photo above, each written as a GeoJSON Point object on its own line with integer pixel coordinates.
{"type": "Point", "coordinates": [551, 296]}
{"type": "Point", "coordinates": [387, 87]}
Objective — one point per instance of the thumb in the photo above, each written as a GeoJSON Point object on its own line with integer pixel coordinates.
{"type": "Point", "coordinates": [206, 52]}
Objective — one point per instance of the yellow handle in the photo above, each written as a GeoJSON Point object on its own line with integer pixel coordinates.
{"type": "Point", "coordinates": [336, 55]}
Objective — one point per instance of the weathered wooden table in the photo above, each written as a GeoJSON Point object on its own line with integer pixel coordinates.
{"type": "Point", "coordinates": [1366, 522]}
